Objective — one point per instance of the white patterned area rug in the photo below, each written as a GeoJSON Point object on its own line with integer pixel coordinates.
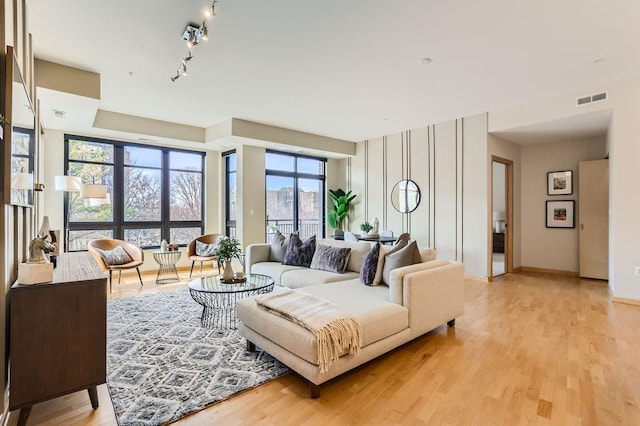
{"type": "Point", "coordinates": [162, 365]}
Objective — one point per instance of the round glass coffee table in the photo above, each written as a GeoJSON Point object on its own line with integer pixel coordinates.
{"type": "Point", "coordinates": [219, 300]}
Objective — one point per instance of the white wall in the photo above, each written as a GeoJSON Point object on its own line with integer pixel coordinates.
{"type": "Point", "coordinates": [542, 247]}
{"type": "Point", "coordinates": [624, 178]}
{"type": "Point", "coordinates": [443, 161]}
{"type": "Point", "coordinates": [499, 187]}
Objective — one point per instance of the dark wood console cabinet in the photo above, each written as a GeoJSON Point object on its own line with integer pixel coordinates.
{"type": "Point", "coordinates": [58, 334]}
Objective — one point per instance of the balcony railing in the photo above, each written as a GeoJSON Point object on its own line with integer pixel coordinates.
{"type": "Point", "coordinates": [307, 227]}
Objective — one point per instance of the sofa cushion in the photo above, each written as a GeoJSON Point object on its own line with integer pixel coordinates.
{"type": "Point", "coordinates": [358, 251]}
{"type": "Point", "coordinates": [377, 280]}
{"type": "Point", "coordinates": [307, 277]}
{"type": "Point", "coordinates": [427, 254]}
{"type": "Point", "coordinates": [278, 247]}
{"type": "Point", "coordinates": [300, 253]}
{"type": "Point", "coordinates": [370, 265]}
{"type": "Point", "coordinates": [406, 256]}
{"type": "Point", "coordinates": [378, 317]}
{"type": "Point", "coordinates": [331, 259]}
{"type": "Point", "coordinates": [274, 270]}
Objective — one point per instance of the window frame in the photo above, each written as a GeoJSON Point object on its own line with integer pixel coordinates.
{"type": "Point", "coordinates": [230, 225]}
{"type": "Point", "coordinates": [118, 224]}
{"type": "Point", "coordinates": [295, 174]}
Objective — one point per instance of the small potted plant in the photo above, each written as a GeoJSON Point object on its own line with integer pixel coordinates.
{"type": "Point", "coordinates": [366, 227]}
{"type": "Point", "coordinates": [228, 249]}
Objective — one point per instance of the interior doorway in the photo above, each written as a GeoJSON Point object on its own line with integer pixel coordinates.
{"type": "Point", "coordinates": [502, 214]}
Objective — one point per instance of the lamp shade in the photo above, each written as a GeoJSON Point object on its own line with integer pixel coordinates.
{"type": "Point", "coordinates": [93, 190]}
{"type": "Point", "coordinates": [67, 183]}
{"type": "Point", "coordinates": [22, 180]}
{"type": "Point", "coordinates": [95, 202]}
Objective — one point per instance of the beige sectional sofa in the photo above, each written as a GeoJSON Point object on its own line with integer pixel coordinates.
{"type": "Point", "coordinates": [419, 298]}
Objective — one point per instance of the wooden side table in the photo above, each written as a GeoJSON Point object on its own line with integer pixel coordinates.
{"type": "Point", "coordinates": [167, 273]}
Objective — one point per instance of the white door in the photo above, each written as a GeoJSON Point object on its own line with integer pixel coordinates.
{"type": "Point", "coordinates": [593, 204]}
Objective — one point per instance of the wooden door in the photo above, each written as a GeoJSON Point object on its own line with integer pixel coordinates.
{"type": "Point", "coordinates": [593, 204]}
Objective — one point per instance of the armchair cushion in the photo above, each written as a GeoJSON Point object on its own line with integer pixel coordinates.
{"type": "Point", "coordinates": [115, 256]}
{"type": "Point", "coordinates": [206, 250]}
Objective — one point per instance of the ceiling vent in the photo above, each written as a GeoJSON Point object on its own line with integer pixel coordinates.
{"type": "Point", "coordinates": [59, 114]}
{"type": "Point", "coordinates": [598, 97]}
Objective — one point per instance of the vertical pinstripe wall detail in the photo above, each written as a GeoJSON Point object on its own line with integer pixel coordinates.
{"type": "Point", "coordinates": [366, 179]}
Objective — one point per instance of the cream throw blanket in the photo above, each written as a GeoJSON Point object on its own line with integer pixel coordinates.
{"type": "Point", "coordinates": [336, 330]}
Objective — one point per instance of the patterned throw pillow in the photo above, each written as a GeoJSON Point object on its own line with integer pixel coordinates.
{"type": "Point", "coordinates": [278, 247]}
{"type": "Point", "coordinates": [206, 250]}
{"type": "Point", "coordinates": [115, 256]}
{"type": "Point", "coordinates": [370, 265]}
{"type": "Point", "coordinates": [408, 255]}
{"type": "Point", "coordinates": [331, 259]}
{"type": "Point", "coordinates": [299, 253]}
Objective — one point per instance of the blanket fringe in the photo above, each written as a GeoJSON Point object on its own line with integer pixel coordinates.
{"type": "Point", "coordinates": [337, 337]}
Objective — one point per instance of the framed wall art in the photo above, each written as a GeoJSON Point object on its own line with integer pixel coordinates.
{"type": "Point", "coordinates": [560, 183]}
{"type": "Point", "coordinates": [561, 214]}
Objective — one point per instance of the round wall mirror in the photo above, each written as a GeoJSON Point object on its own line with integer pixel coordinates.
{"type": "Point", "coordinates": [405, 196]}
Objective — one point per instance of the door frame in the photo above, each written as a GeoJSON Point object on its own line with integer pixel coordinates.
{"type": "Point", "coordinates": [508, 238]}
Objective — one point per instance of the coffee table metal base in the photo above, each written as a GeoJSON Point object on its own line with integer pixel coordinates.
{"type": "Point", "coordinates": [219, 309]}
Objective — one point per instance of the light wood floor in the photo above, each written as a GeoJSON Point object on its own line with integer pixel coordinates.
{"type": "Point", "coordinates": [531, 348]}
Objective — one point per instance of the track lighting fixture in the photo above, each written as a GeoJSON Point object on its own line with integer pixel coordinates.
{"type": "Point", "coordinates": [193, 35]}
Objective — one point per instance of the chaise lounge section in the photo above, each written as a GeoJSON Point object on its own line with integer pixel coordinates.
{"type": "Point", "coordinates": [419, 298]}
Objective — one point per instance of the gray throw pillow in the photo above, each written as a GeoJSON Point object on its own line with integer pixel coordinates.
{"type": "Point", "coordinates": [370, 265]}
{"type": "Point", "coordinates": [115, 256]}
{"type": "Point", "coordinates": [403, 257]}
{"type": "Point", "coordinates": [278, 247]}
{"type": "Point", "coordinates": [377, 280]}
{"type": "Point", "coordinates": [206, 250]}
{"type": "Point", "coordinates": [299, 253]}
{"type": "Point", "coordinates": [331, 259]}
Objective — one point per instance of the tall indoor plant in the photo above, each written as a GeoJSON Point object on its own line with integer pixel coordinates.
{"type": "Point", "coordinates": [341, 201]}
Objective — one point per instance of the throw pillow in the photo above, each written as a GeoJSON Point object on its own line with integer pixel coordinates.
{"type": "Point", "coordinates": [299, 253]}
{"type": "Point", "coordinates": [403, 257]}
{"type": "Point", "coordinates": [278, 247]}
{"type": "Point", "coordinates": [370, 265]}
{"type": "Point", "coordinates": [377, 280]}
{"type": "Point", "coordinates": [115, 256]}
{"type": "Point", "coordinates": [331, 259]}
{"type": "Point", "coordinates": [206, 250]}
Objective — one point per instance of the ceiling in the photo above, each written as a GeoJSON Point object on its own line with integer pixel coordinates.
{"type": "Point", "coordinates": [343, 69]}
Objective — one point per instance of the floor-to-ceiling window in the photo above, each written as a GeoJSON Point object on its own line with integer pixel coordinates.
{"type": "Point", "coordinates": [154, 193]}
{"type": "Point", "coordinates": [295, 194]}
{"type": "Point", "coordinates": [230, 193]}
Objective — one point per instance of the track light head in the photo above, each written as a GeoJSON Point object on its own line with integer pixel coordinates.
{"type": "Point", "coordinates": [205, 32]}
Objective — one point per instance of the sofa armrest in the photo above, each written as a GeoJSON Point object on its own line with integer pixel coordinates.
{"type": "Point", "coordinates": [433, 297]}
{"type": "Point", "coordinates": [396, 278]}
{"type": "Point", "coordinates": [255, 253]}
